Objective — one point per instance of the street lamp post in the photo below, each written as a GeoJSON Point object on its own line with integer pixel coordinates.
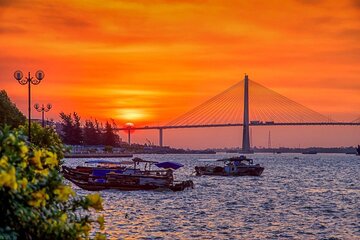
{"type": "Point", "coordinates": [39, 75]}
{"type": "Point", "coordinates": [42, 109]}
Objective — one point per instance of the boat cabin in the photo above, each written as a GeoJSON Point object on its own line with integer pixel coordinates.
{"type": "Point", "coordinates": [234, 166]}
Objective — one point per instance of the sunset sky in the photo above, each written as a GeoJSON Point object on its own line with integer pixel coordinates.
{"type": "Point", "coordinates": [148, 62]}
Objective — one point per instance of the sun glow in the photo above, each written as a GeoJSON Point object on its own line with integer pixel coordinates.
{"type": "Point", "coordinates": [132, 114]}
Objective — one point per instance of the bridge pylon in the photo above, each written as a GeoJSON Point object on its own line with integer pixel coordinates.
{"type": "Point", "coordinates": [246, 128]}
{"type": "Point", "coordinates": [161, 137]}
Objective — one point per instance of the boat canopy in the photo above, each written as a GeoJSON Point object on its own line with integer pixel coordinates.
{"type": "Point", "coordinates": [235, 159]}
{"type": "Point", "coordinates": [139, 160]}
{"type": "Point", "coordinates": [172, 165]}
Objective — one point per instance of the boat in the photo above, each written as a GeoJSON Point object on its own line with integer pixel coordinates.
{"type": "Point", "coordinates": [121, 176]}
{"type": "Point", "coordinates": [358, 150]}
{"type": "Point", "coordinates": [310, 152]}
{"type": "Point", "coordinates": [101, 164]}
{"type": "Point", "coordinates": [234, 166]}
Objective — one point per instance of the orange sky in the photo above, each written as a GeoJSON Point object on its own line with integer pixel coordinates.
{"type": "Point", "coordinates": [150, 61]}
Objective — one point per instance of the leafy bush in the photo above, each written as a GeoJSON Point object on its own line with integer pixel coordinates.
{"type": "Point", "coordinates": [35, 204]}
{"type": "Point", "coordinates": [45, 137]}
{"type": "Point", "coordinates": [108, 149]}
{"type": "Point", "coordinates": [9, 113]}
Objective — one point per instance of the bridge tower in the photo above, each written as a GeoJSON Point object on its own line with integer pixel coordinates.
{"type": "Point", "coordinates": [129, 135]}
{"type": "Point", "coordinates": [161, 137]}
{"type": "Point", "coordinates": [246, 129]}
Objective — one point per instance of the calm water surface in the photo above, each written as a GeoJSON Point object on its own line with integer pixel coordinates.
{"type": "Point", "coordinates": [313, 197]}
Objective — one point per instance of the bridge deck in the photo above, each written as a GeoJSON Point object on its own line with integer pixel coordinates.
{"type": "Point", "coordinates": [250, 124]}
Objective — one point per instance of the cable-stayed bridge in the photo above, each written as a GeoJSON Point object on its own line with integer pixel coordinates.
{"type": "Point", "coordinates": [246, 104]}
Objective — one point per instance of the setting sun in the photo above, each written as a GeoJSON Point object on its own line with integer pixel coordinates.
{"type": "Point", "coordinates": [132, 114]}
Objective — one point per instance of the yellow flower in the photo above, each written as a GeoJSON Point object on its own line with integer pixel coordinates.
{"type": "Point", "coordinates": [8, 178]}
{"type": "Point", "coordinates": [39, 198]}
{"type": "Point", "coordinates": [34, 181]}
{"type": "Point", "coordinates": [35, 203]}
{"type": "Point", "coordinates": [23, 165]}
{"type": "Point", "coordinates": [4, 161]}
{"type": "Point", "coordinates": [101, 222]}
{"type": "Point", "coordinates": [51, 159]}
{"type": "Point", "coordinates": [85, 229]}
{"type": "Point", "coordinates": [44, 172]}
{"type": "Point", "coordinates": [36, 159]}
{"type": "Point", "coordinates": [23, 183]}
{"type": "Point", "coordinates": [52, 222]}
{"type": "Point", "coordinates": [100, 236]}
{"type": "Point", "coordinates": [95, 201]}
{"type": "Point", "coordinates": [63, 217]}
{"type": "Point", "coordinates": [4, 178]}
{"type": "Point", "coordinates": [77, 226]}
{"type": "Point", "coordinates": [63, 193]}
{"type": "Point", "coordinates": [23, 148]}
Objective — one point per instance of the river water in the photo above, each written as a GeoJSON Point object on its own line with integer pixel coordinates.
{"type": "Point", "coordinates": [313, 197]}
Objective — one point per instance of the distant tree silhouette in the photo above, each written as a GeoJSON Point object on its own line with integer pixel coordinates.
{"type": "Point", "coordinates": [98, 132]}
{"type": "Point", "coordinates": [91, 133]}
{"type": "Point", "coordinates": [66, 128]}
{"type": "Point", "coordinates": [9, 113]}
{"type": "Point", "coordinates": [71, 128]}
{"type": "Point", "coordinates": [109, 137]}
{"type": "Point", "coordinates": [77, 136]}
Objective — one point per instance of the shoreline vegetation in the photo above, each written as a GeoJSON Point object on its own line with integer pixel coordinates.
{"type": "Point", "coordinates": [128, 151]}
{"type": "Point", "coordinates": [32, 189]}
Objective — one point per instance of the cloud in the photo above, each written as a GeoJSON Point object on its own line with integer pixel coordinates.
{"type": "Point", "coordinates": [5, 3]}
{"type": "Point", "coordinates": [310, 2]}
{"type": "Point", "coordinates": [353, 33]}
{"type": "Point", "coordinates": [11, 30]}
{"type": "Point", "coordinates": [356, 3]}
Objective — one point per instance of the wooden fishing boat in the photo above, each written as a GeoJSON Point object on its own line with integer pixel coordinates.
{"type": "Point", "coordinates": [101, 164]}
{"type": "Point", "coordinates": [235, 166]}
{"type": "Point", "coordinates": [127, 178]}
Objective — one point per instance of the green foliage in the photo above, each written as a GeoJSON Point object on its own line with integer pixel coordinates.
{"type": "Point", "coordinates": [35, 204]}
{"type": "Point", "coordinates": [9, 113]}
{"type": "Point", "coordinates": [45, 137]}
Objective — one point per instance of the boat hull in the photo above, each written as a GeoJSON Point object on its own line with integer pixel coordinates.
{"type": "Point", "coordinates": [220, 171]}
{"type": "Point", "coordinates": [112, 180]}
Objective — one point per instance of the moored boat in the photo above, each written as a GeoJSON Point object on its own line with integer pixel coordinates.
{"type": "Point", "coordinates": [124, 177]}
{"type": "Point", "coordinates": [310, 152]}
{"type": "Point", "coordinates": [101, 164]}
{"type": "Point", "coordinates": [235, 166]}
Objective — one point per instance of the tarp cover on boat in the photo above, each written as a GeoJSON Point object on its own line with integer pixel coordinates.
{"type": "Point", "coordinates": [172, 165]}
